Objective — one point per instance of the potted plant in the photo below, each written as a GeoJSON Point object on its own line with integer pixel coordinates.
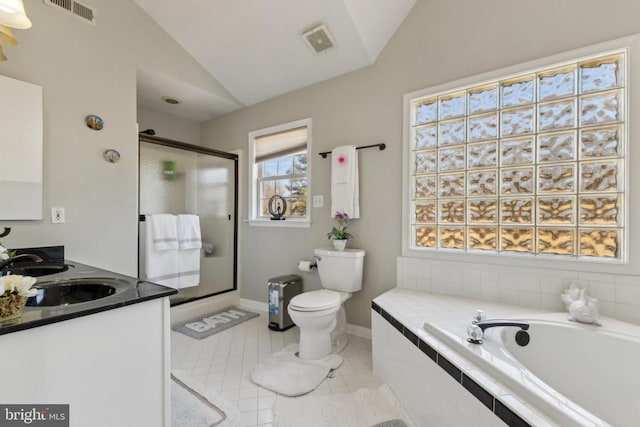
{"type": "Point", "coordinates": [339, 233]}
{"type": "Point", "coordinates": [14, 292]}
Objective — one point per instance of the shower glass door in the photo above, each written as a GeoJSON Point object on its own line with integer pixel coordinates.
{"type": "Point", "coordinates": [178, 178]}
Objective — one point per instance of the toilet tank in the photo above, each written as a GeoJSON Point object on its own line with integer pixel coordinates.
{"type": "Point", "coordinates": [340, 270]}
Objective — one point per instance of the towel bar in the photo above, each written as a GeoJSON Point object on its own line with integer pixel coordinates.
{"type": "Point", "coordinates": [381, 146]}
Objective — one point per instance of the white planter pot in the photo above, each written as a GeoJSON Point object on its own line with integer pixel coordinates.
{"type": "Point", "coordinates": [339, 245]}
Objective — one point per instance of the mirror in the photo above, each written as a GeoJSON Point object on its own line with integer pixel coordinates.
{"type": "Point", "coordinates": [21, 148]}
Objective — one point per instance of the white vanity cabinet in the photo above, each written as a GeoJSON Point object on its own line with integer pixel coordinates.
{"type": "Point", "coordinates": [111, 367]}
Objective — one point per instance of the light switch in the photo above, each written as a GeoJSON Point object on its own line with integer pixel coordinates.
{"type": "Point", "coordinates": [318, 201]}
{"type": "Point", "coordinates": [57, 216]}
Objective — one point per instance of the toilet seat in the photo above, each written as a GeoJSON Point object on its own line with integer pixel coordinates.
{"type": "Point", "coordinates": [322, 299]}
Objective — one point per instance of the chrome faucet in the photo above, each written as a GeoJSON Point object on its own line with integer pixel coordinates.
{"type": "Point", "coordinates": [9, 261]}
{"type": "Point", "coordinates": [475, 331]}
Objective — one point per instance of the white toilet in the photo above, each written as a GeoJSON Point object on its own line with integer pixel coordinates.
{"type": "Point", "coordinates": [320, 314]}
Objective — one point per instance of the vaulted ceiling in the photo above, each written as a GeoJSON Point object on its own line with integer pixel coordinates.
{"type": "Point", "coordinates": [256, 51]}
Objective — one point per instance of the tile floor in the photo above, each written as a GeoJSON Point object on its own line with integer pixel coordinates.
{"type": "Point", "coordinates": [224, 362]}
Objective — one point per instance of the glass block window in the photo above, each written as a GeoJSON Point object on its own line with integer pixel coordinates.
{"type": "Point", "coordinates": [532, 164]}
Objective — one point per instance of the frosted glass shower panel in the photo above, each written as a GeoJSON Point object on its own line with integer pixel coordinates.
{"type": "Point", "coordinates": [182, 181]}
{"type": "Point", "coordinates": [164, 172]}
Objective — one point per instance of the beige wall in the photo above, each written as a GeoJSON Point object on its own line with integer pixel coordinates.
{"type": "Point", "coordinates": [440, 41]}
{"type": "Point", "coordinates": [169, 126]}
{"type": "Point", "coordinates": [86, 70]}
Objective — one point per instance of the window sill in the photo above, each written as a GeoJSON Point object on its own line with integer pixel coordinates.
{"type": "Point", "coordinates": [290, 223]}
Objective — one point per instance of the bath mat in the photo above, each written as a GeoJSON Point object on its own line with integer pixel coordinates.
{"type": "Point", "coordinates": [365, 407]}
{"type": "Point", "coordinates": [205, 326]}
{"type": "Point", "coordinates": [193, 404]}
{"type": "Point", "coordinates": [284, 373]}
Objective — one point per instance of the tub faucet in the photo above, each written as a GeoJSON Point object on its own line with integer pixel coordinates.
{"type": "Point", "coordinates": [475, 331]}
{"type": "Point", "coordinates": [7, 262]}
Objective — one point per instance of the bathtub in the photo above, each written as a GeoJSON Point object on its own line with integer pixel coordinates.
{"type": "Point", "coordinates": [574, 374]}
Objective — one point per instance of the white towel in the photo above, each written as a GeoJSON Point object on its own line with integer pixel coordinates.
{"type": "Point", "coordinates": [189, 253]}
{"type": "Point", "coordinates": [345, 192]}
{"type": "Point", "coordinates": [164, 231]}
{"type": "Point", "coordinates": [161, 266]}
{"type": "Point", "coordinates": [189, 267]}
{"type": "Point", "coordinates": [189, 236]}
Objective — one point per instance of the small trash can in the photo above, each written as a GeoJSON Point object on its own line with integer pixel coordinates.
{"type": "Point", "coordinates": [281, 290]}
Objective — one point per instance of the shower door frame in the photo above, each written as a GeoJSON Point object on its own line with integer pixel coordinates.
{"type": "Point", "coordinates": [208, 151]}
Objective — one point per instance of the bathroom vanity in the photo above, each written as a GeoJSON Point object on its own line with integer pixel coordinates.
{"type": "Point", "coordinates": [108, 358]}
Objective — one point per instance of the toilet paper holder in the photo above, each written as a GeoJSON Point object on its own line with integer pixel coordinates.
{"type": "Point", "coordinates": [305, 265]}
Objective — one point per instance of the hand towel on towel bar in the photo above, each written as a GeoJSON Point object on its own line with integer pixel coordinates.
{"type": "Point", "coordinates": [345, 192]}
{"type": "Point", "coordinates": [164, 231]}
{"type": "Point", "coordinates": [161, 266]}
{"type": "Point", "coordinates": [189, 236]}
{"type": "Point", "coordinates": [190, 241]}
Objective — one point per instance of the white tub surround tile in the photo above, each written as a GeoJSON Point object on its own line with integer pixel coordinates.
{"type": "Point", "coordinates": [618, 294]}
{"type": "Point", "coordinates": [452, 389]}
{"type": "Point", "coordinates": [427, 392]}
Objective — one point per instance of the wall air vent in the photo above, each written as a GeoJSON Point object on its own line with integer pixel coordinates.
{"type": "Point", "coordinates": [318, 38]}
{"type": "Point", "coordinates": [75, 8]}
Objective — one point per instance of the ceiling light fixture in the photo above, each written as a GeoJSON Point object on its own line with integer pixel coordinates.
{"type": "Point", "coordinates": [12, 14]}
{"type": "Point", "coordinates": [6, 36]}
{"type": "Point", "coordinates": [171, 100]}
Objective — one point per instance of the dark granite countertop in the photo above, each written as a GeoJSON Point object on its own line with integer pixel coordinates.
{"type": "Point", "coordinates": [130, 291]}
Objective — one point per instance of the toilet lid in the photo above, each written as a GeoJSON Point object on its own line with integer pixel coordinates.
{"type": "Point", "coordinates": [315, 300]}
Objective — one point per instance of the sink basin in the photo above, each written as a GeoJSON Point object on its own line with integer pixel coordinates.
{"type": "Point", "coordinates": [75, 291]}
{"type": "Point", "coordinates": [37, 270]}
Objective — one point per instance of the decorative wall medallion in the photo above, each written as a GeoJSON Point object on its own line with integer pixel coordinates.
{"type": "Point", "coordinates": [94, 122]}
{"type": "Point", "coordinates": [111, 156]}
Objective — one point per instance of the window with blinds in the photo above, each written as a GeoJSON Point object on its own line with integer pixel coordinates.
{"type": "Point", "coordinates": [531, 164]}
{"type": "Point", "coordinates": [280, 167]}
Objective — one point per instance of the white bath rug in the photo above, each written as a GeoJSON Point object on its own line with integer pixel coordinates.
{"type": "Point", "coordinates": [284, 373]}
{"type": "Point", "coordinates": [193, 404]}
{"type": "Point", "coordinates": [364, 408]}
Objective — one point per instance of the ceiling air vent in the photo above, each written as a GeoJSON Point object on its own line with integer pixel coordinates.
{"type": "Point", "coordinates": [75, 8]}
{"type": "Point", "coordinates": [318, 38]}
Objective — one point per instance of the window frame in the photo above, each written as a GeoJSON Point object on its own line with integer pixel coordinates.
{"type": "Point", "coordinates": [290, 177]}
{"type": "Point", "coordinates": [254, 218]}
{"type": "Point", "coordinates": [629, 262]}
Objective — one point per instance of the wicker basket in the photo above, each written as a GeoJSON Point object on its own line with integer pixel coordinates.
{"type": "Point", "coordinates": [11, 307]}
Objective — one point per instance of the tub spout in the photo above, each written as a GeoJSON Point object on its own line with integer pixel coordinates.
{"type": "Point", "coordinates": [486, 324]}
{"type": "Point", "coordinates": [475, 332]}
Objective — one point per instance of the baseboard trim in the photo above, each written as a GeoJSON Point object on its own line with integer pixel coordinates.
{"type": "Point", "coordinates": [254, 305]}
{"type": "Point", "coordinates": [355, 330]}
{"type": "Point", "coordinates": [359, 331]}
{"type": "Point", "coordinates": [201, 307]}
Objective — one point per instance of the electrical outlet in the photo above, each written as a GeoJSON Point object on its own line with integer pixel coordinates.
{"type": "Point", "coordinates": [57, 216]}
{"type": "Point", "coordinates": [318, 201]}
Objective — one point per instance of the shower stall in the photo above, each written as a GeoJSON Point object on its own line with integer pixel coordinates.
{"type": "Point", "coordinates": [179, 178]}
